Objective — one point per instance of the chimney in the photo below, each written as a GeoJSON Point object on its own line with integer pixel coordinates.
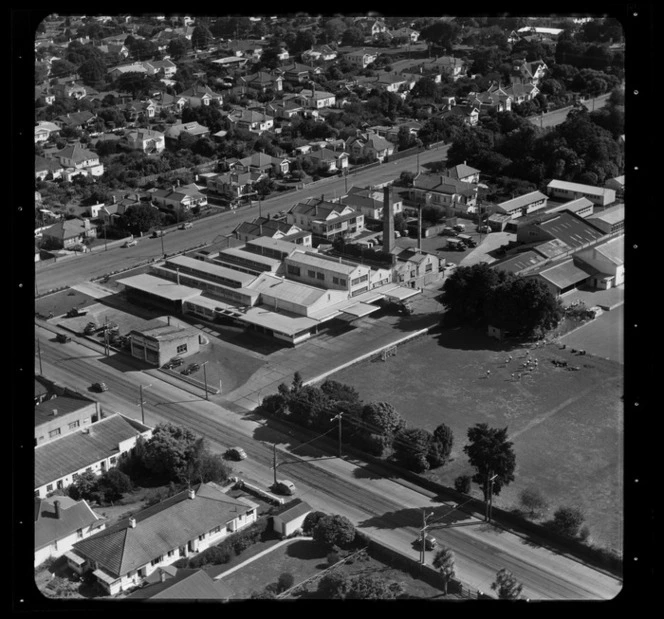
{"type": "Point", "coordinates": [56, 505]}
{"type": "Point", "coordinates": [55, 412]}
{"type": "Point", "coordinates": [177, 275]}
{"type": "Point", "coordinates": [388, 222]}
{"type": "Point", "coordinates": [191, 493]}
{"type": "Point", "coordinates": [132, 522]}
{"type": "Point", "coordinates": [162, 576]}
{"type": "Point", "coordinates": [115, 199]}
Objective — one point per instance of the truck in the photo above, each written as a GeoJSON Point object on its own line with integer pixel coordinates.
{"type": "Point", "coordinates": [448, 231]}
{"type": "Point", "coordinates": [455, 245]}
{"type": "Point", "coordinates": [74, 311]}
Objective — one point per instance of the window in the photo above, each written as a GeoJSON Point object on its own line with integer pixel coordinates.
{"type": "Point", "coordinates": [49, 488]}
{"type": "Point", "coordinates": [156, 561]}
{"type": "Point", "coordinates": [170, 553]}
{"type": "Point", "coordinates": [335, 280]}
{"type": "Point", "coordinates": [342, 281]}
{"type": "Point", "coordinates": [181, 348]}
{"type": "Point", "coordinates": [293, 270]}
{"type": "Point", "coordinates": [60, 484]}
{"type": "Point", "coordinates": [75, 476]}
{"type": "Point", "coordinates": [320, 276]}
{"type": "Point", "coordinates": [74, 424]}
{"type": "Point", "coordinates": [429, 267]}
{"type": "Point", "coordinates": [114, 459]}
{"type": "Point", "coordinates": [311, 273]}
{"type": "Point", "coordinates": [201, 537]}
{"type": "Point", "coordinates": [215, 530]}
{"type": "Point", "coordinates": [53, 433]}
{"type": "Point", "coordinates": [79, 533]}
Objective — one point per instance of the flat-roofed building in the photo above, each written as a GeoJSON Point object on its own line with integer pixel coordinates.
{"type": "Point", "coordinates": [158, 345]}
{"type": "Point", "coordinates": [242, 260]}
{"type": "Point", "coordinates": [96, 449]}
{"type": "Point", "coordinates": [147, 289]}
{"type": "Point", "coordinates": [601, 196]}
{"type": "Point", "coordinates": [581, 207]}
{"type": "Point", "coordinates": [522, 205]}
{"type": "Point", "coordinates": [327, 272]}
{"type": "Point", "coordinates": [610, 220]}
{"type": "Point", "coordinates": [273, 248]}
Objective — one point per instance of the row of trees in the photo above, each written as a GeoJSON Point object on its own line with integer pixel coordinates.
{"type": "Point", "coordinates": [479, 295]}
{"type": "Point", "coordinates": [376, 427]}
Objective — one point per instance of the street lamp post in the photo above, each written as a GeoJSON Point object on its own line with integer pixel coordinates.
{"type": "Point", "coordinates": [141, 403]}
{"type": "Point", "coordinates": [339, 416]}
{"type": "Point", "coordinates": [490, 493]}
{"type": "Point", "coordinates": [423, 548]}
{"type": "Point", "coordinates": [205, 379]}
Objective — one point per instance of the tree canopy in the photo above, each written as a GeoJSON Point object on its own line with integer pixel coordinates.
{"type": "Point", "coordinates": [334, 530]}
{"type": "Point", "coordinates": [490, 453]}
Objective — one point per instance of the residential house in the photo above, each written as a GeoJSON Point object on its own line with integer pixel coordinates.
{"type": "Point", "coordinates": [271, 228]}
{"type": "Point", "coordinates": [147, 141]}
{"type": "Point", "coordinates": [392, 82]}
{"type": "Point", "coordinates": [528, 72]}
{"type": "Point", "coordinates": [76, 120]}
{"type": "Point", "coordinates": [44, 96]}
{"type": "Point", "coordinates": [251, 50]}
{"type": "Point", "coordinates": [63, 414]}
{"type": "Point", "coordinates": [369, 145]}
{"type": "Point", "coordinates": [78, 160]}
{"type": "Point", "coordinates": [168, 102]}
{"type": "Point", "coordinates": [251, 120]}
{"type": "Point", "coordinates": [520, 92]}
{"type": "Point", "coordinates": [329, 160]}
{"type": "Point", "coordinates": [326, 219]}
{"type": "Point", "coordinates": [469, 113]}
{"type": "Point", "coordinates": [463, 172]}
{"type": "Point", "coordinates": [285, 109]}
{"type": "Point", "coordinates": [95, 448]}
{"type": "Point", "coordinates": [63, 90]}
{"type": "Point", "coordinates": [47, 168]}
{"type": "Point", "coordinates": [441, 190]}
{"type": "Point", "coordinates": [494, 97]}
{"type": "Point", "coordinates": [316, 99]}
{"type": "Point", "coordinates": [200, 94]}
{"type": "Point", "coordinates": [298, 73]}
{"type": "Point", "coordinates": [370, 201]}
{"type": "Point", "coordinates": [404, 33]}
{"type": "Point", "coordinates": [184, 197]}
{"type": "Point", "coordinates": [416, 268]}
{"type": "Point", "coordinates": [166, 67]}
{"type": "Point", "coordinates": [69, 233]}
{"type": "Point", "coordinates": [362, 57]}
{"type": "Point", "coordinates": [122, 556]}
{"type": "Point", "coordinates": [134, 67]}
{"type": "Point", "coordinates": [263, 163]}
{"type": "Point", "coordinates": [261, 81]}
{"type": "Point", "coordinates": [193, 129]}
{"type": "Point", "coordinates": [318, 53]}
{"type": "Point", "coordinates": [44, 130]}
{"type": "Point", "coordinates": [450, 66]}
{"type": "Point", "coordinates": [60, 522]}
{"type": "Point", "coordinates": [140, 110]}
{"type": "Point", "coordinates": [237, 184]}
{"type": "Point", "coordinates": [117, 49]}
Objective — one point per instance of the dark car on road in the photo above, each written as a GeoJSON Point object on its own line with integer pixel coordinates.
{"type": "Point", "coordinates": [430, 542]}
{"type": "Point", "coordinates": [61, 337]}
{"type": "Point", "coordinates": [99, 387]}
{"type": "Point", "coordinates": [191, 368]}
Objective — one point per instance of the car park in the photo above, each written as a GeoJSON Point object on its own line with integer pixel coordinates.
{"type": "Point", "coordinates": [469, 241]}
{"type": "Point", "coordinates": [455, 245]}
{"type": "Point", "coordinates": [483, 229]}
{"type": "Point", "coordinates": [430, 542]}
{"type": "Point", "coordinates": [283, 486]}
{"type": "Point", "coordinates": [236, 453]}
{"type": "Point", "coordinates": [459, 227]}
{"type": "Point", "coordinates": [448, 231]}
{"type": "Point", "coordinates": [175, 362]}
{"type": "Point", "coordinates": [100, 387]}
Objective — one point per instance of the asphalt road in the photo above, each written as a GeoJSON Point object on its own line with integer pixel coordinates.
{"type": "Point", "coordinates": [383, 506]}
{"type": "Point", "coordinates": [81, 268]}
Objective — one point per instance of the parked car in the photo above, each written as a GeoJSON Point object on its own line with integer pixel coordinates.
{"type": "Point", "coordinates": [129, 243]}
{"type": "Point", "coordinates": [186, 225]}
{"type": "Point", "coordinates": [448, 231]}
{"type": "Point", "coordinates": [156, 234]}
{"type": "Point", "coordinates": [430, 542]}
{"type": "Point", "coordinates": [191, 368]}
{"type": "Point", "coordinates": [99, 387]}
{"type": "Point", "coordinates": [484, 229]}
{"type": "Point", "coordinates": [456, 245]}
{"type": "Point", "coordinates": [283, 486]}
{"type": "Point", "coordinates": [61, 337]}
{"type": "Point", "coordinates": [175, 362]}
{"type": "Point", "coordinates": [236, 453]}
{"type": "Point", "coordinates": [459, 227]}
{"type": "Point", "coordinates": [75, 312]}
{"type": "Point", "coordinates": [90, 328]}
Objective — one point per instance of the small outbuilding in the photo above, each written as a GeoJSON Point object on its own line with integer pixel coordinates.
{"type": "Point", "coordinates": [292, 518]}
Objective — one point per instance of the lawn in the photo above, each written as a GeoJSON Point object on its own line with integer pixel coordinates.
{"type": "Point", "coordinates": [304, 558]}
{"type": "Point", "coordinates": [566, 426]}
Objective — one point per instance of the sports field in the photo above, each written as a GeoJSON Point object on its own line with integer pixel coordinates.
{"type": "Point", "coordinates": [566, 426]}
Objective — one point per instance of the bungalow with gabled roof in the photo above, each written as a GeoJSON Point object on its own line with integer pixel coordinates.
{"type": "Point", "coordinates": [441, 190]}
{"type": "Point", "coordinates": [200, 94]}
{"type": "Point", "coordinates": [185, 197]}
{"type": "Point", "coordinates": [122, 556]}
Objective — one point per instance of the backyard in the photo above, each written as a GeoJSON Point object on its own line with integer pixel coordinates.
{"type": "Point", "coordinates": [566, 426]}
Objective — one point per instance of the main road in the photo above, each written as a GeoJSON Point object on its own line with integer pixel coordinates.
{"type": "Point", "coordinates": [383, 506]}
{"type": "Point", "coordinates": [84, 267]}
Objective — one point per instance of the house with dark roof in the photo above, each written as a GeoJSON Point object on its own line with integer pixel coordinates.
{"type": "Point", "coordinates": [261, 81]}
{"type": "Point", "coordinates": [201, 94]}
{"type": "Point", "coordinates": [69, 233]}
{"type": "Point", "coordinates": [181, 196]}
{"type": "Point", "coordinates": [369, 145]}
{"type": "Point", "coordinates": [78, 160]}
{"type": "Point", "coordinates": [328, 160]}
{"type": "Point", "coordinates": [262, 163]}
{"type": "Point", "coordinates": [251, 120]}
{"type": "Point", "coordinates": [47, 166]}
{"type": "Point", "coordinates": [468, 113]}
{"type": "Point", "coordinates": [178, 584]}
{"type": "Point", "coordinates": [239, 185]}
{"type": "Point", "coordinates": [192, 128]}
{"type": "Point", "coordinates": [272, 228]}
{"type": "Point", "coordinates": [59, 523]}
{"type": "Point", "coordinates": [445, 191]}
{"type": "Point", "coordinates": [95, 448]}
{"type": "Point", "coordinates": [76, 120]}
{"type": "Point", "coordinates": [122, 556]}
{"type": "Point", "coordinates": [318, 52]}
{"type": "Point", "coordinates": [463, 172]}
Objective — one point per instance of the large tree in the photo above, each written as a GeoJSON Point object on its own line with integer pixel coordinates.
{"type": "Point", "coordinates": [492, 456]}
{"type": "Point", "coordinates": [201, 37]}
{"type": "Point", "coordinates": [440, 448]}
{"type": "Point", "coordinates": [334, 530]}
{"type": "Point", "coordinates": [411, 448]}
{"type": "Point", "coordinates": [169, 451]}
{"type": "Point", "coordinates": [373, 587]}
{"type": "Point", "coordinates": [442, 35]}
{"type": "Point", "coordinates": [140, 218]}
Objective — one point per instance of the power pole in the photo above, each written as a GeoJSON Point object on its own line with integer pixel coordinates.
{"type": "Point", "coordinates": [41, 372]}
{"type": "Point", "coordinates": [339, 416]}
{"type": "Point", "coordinates": [205, 380]}
{"type": "Point", "coordinates": [274, 461]}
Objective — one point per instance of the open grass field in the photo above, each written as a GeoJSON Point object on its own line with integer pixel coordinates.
{"type": "Point", "coordinates": [566, 426]}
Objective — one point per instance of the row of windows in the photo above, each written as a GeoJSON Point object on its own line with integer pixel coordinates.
{"type": "Point", "coordinates": [359, 280]}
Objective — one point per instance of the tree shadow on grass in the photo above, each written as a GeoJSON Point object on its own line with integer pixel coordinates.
{"type": "Point", "coordinates": [306, 550]}
{"type": "Point", "coordinates": [370, 471]}
{"type": "Point", "coordinates": [465, 338]}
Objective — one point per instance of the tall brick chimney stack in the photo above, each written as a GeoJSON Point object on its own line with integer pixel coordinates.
{"type": "Point", "coordinates": [388, 222]}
